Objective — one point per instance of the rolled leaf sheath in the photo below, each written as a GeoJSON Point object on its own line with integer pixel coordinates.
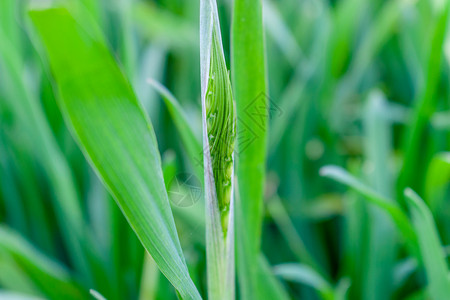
{"type": "Point", "coordinates": [218, 130]}
{"type": "Point", "coordinates": [220, 117]}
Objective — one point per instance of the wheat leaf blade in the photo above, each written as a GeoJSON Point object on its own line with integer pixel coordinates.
{"type": "Point", "coordinates": [114, 134]}
{"type": "Point", "coordinates": [434, 261]}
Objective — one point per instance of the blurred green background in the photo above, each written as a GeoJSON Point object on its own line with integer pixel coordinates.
{"type": "Point", "coordinates": [355, 83]}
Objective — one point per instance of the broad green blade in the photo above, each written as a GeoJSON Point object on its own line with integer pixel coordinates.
{"type": "Point", "coordinates": [248, 68]}
{"type": "Point", "coordinates": [52, 279]}
{"type": "Point", "coordinates": [433, 256]}
{"type": "Point", "coordinates": [114, 134]}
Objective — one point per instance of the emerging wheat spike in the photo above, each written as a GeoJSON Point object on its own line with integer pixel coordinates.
{"type": "Point", "coordinates": [221, 126]}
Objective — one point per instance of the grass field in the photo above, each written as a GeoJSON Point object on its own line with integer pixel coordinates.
{"type": "Point", "coordinates": [224, 149]}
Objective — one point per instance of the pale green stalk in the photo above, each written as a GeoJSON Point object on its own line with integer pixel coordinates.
{"type": "Point", "coordinates": [218, 119]}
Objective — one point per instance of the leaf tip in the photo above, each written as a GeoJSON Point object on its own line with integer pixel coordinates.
{"type": "Point", "coordinates": [410, 194]}
{"type": "Point", "coordinates": [326, 171]}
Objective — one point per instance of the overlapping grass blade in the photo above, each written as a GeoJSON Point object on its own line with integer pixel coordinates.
{"type": "Point", "coordinates": [433, 256]}
{"type": "Point", "coordinates": [412, 173]}
{"type": "Point", "coordinates": [287, 229]}
{"type": "Point", "coordinates": [115, 135]}
{"type": "Point", "coordinates": [306, 275]}
{"type": "Point", "coordinates": [190, 140]}
{"type": "Point", "coordinates": [398, 216]}
{"type": "Point", "coordinates": [15, 212]}
{"type": "Point", "coordinates": [378, 34]}
{"type": "Point", "coordinates": [269, 284]}
{"type": "Point", "coordinates": [162, 25]}
{"type": "Point", "coordinates": [29, 114]}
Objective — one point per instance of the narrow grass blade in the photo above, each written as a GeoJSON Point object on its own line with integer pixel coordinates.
{"type": "Point", "coordinates": [115, 135]}
{"type": "Point", "coordinates": [5, 295]}
{"type": "Point", "coordinates": [382, 235]}
{"type": "Point", "coordinates": [398, 216]}
{"type": "Point", "coordinates": [436, 181]}
{"type": "Point", "coordinates": [149, 280]}
{"type": "Point", "coordinates": [51, 278]}
{"type": "Point", "coordinates": [15, 210]}
{"type": "Point", "coordinates": [248, 67]}
{"type": "Point", "coordinates": [190, 140]}
{"type": "Point", "coordinates": [270, 286]}
{"type": "Point", "coordinates": [374, 39]}
{"type": "Point", "coordinates": [430, 247]}
{"type": "Point", "coordinates": [281, 33]}
{"type": "Point", "coordinates": [402, 271]}
{"type": "Point", "coordinates": [161, 25]}
{"type": "Point", "coordinates": [346, 16]}
{"type": "Point", "coordinates": [412, 174]}
{"type": "Point", "coordinates": [29, 113]}
{"type": "Point", "coordinates": [96, 295]}
{"type": "Point", "coordinates": [287, 229]}
{"type": "Point", "coordinates": [305, 275]}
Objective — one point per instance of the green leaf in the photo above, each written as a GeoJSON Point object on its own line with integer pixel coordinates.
{"type": "Point", "coordinates": [436, 181]}
{"type": "Point", "coordinates": [190, 140]}
{"type": "Point", "coordinates": [115, 135]}
{"type": "Point", "coordinates": [29, 113]}
{"type": "Point", "coordinates": [381, 234]}
{"type": "Point", "coordinates": [161, 25]}
{"type": "Point", "coordinates": [270, 286]}
{"type": "Point", "coordinates": [96, 295]}
{"type": "Point", "coordinates": [424, 107]}
{"type": "Point", "coordinates": [287, 228]}
{"type": "Point", "coordinates": [398, 216]}
{"type": "Point", "coordinates": [377, 35]}
{"type": "Point", "coordinates": [5, 295]}
{"type": "Point", "coordinates": [305, 275]}
{"type": "Point", "coordinates": [149, 279]}
{"type": "Point", "coordinates": [248, 68]}
{"type": "Point", "coordinates": [430, 247]}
